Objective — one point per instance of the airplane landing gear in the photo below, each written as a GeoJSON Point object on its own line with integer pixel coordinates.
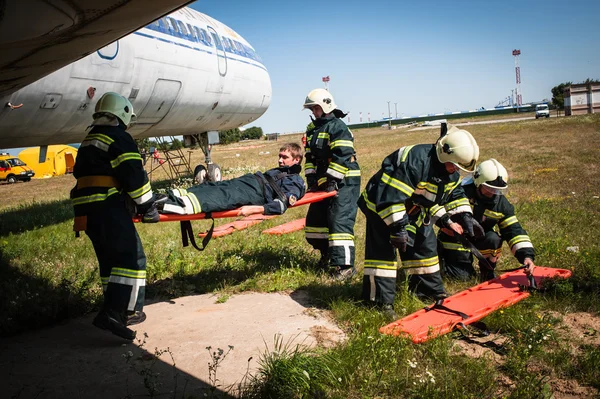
{"type": "Point", "coordinates": [214, 172]}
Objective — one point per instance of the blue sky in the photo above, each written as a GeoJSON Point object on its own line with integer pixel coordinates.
{"type": "Point", "coordinates": [426, 56]}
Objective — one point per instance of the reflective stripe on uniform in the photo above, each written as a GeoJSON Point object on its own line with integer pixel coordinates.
{"type": "Point", "coordinates": [94, 197]}
{"type": "Point", "coordinates": [453, 246]}
{"type": "Point", "coordinates": [353, 173]}
{"type": "Point", "coordinates": [423, 270]}
{"type": "Point", "coordinates": [508, 221]}
{"type": "Point", "coordinates": [493, 215]}
{"type": "Point", "coordinates": [95, 143]}
{"type": "Point", "coordinates": [403, 153]}
{"type": "Point", "coordinates": [127, 156]}
{"type": "Point", "coordinates": [140, 191]}
{"type": "Point", "coordinates": [428, 262]}
{"type": "Point", "coordinates": [318, 233]}
{"type": "Point", "coordinates": [397, 184]}
{"type": "Point", "coordinates": [134, 283]}
{"type": "Point", "coordinates": [341, 143]}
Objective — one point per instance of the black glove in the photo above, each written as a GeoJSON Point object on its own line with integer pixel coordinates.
{"type": "Point", "coordinates": [445, 221]}
{"type": "Point", "coordinates": [311, 182]}
{"type": "Point", "coordinates": [331, 185]}
{"type": "Point", "coordinates": [149, 210]}
{"type": "Point", "coordinates": [471, 226]}
{"type": "Point", "coordinates": [399, 239]}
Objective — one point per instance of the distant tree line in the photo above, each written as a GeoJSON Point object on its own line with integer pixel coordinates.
{"type": "Point", "coordinates": [235, 135]}
{"type": "Point", "coordinates": [225, 137]}
{"type": "Point", "coordinates": [558, 99]}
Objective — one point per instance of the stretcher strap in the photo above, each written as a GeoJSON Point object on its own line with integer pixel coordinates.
{"type": "Point", "coordinates": [439, 304]}
{"type": "Point", "coordinates": [187, 234]}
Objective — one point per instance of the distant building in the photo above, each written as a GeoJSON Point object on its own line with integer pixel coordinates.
{"type": "Point", "coordinates": [582, 98]}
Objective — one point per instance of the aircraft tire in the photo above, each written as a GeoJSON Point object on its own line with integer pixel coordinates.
{"type": "Point", "coordinates": [214, 172]}
{"type": "Point", "coordinates": [200, 174]}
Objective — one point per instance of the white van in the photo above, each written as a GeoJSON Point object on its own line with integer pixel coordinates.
{"type": "Point", "coordinates": [542, 110]}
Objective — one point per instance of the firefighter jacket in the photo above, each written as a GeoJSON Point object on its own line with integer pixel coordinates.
{"type": "Point", "coordinates": [330, 152]}
{"type": "Point", "coordinates": [108, 166]}
{"type": "Point", "coordinates": [291, 188]}
{"type": "Point", "coordinates": [498, 213]}
{"type": "Point", "coordinates": [410, 180]}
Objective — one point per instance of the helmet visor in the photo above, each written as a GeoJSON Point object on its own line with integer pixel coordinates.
{"type": "Point", "coordinates": [469, 168]}
{"type": "Point", "coordinates": [493, 189]}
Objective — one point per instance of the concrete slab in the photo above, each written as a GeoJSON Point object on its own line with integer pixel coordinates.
{"type": "Point", "coordinates": [78, 360]}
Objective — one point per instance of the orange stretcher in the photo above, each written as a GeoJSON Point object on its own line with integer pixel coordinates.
{"type": "Point", "coordinates": [470, 305]}
{"type": "Point", "coordinates": [226, 229]}
{"type": "Point", "coordinates": [286, 228]}
{"type": "Point", "coordinates": [307, 199]}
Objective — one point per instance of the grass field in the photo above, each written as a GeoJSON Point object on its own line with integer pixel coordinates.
{"type": "Point", "coordinates": [46, 274]}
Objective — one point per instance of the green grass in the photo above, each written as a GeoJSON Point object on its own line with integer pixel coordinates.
{"type": "Point", "coordinates": [46, 274]}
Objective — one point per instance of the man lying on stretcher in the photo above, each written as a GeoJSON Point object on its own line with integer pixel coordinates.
{"type": "Point", "coordinates": [268, 193]}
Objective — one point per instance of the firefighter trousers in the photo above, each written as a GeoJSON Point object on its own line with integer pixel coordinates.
{"type": "Point", "coordinates": [457, 261]}
{"type": "Point", "coordinates": [330, 225]}
{"type": "Point", "coordinates": [120, 256]}
{"type": "Point", "coordinates": [420, 264]}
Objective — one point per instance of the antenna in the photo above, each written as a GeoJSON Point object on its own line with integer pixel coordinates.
{"type": "Point", "coordinates": [516, 54]}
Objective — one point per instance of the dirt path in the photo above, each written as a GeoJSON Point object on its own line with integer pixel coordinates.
{"type": "Point", "coordinates": [77, 360]}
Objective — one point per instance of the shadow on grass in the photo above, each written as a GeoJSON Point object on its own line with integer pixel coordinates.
{"type": "Point", "coordinates": [33, 216]}
{"type": "Point", "coordinates": [28, 302]}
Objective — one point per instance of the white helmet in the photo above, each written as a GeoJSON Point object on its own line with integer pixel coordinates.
{"type": "Point", "coordinates": [492, 175]}
{"type": "Point", "coordinates": [459, 147]}
{"type": "Point", "coordinates": [320, 97]}
{"type": "Point", "coordinates": [116, 105]}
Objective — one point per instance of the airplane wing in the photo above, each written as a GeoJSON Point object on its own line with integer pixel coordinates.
{"type": "Point", "coordinates": [38, 37]}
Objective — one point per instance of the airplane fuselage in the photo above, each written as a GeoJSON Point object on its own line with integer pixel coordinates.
{"type": "Point", "coordinates": [184, 74]}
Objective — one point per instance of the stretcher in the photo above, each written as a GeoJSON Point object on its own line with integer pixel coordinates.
{"type": "Point", "coordinates": [187, 234]}
{"type": "Point", "coordinates": [308, 198]}
{"type": "Point", "coordinates": [241, 224]}
{"type": "Point", "coordinates": [286, 228]}
{"type": "Point", "coordinates": [469, 306]}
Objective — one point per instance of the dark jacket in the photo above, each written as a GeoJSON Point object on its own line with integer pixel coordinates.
{"type": "Point", "coordinates": [291, 185]}
{"type": "Point", "coordinates": [498, 211]}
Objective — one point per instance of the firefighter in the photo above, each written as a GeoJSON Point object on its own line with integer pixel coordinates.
{"type": "Point", "coordinates": [331, 165]}
{"type": "Point", "coordinates": [495, 214]}
{"type": "Point", "coordinates": [416, 187]}
{"type": "Point", "coordinates": [268, 193]}
{"type": "Point", "coordinates": [111, 182]}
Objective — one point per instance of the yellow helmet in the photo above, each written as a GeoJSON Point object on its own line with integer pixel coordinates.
{"type": "Point", "coordinates": [320, 97]}
{"type": "Point", "coordinates": [115, 104]}
{"type": "Point", "coordinates": [459, 147]}
{"type": "Point", "coordinates": [492, 175]}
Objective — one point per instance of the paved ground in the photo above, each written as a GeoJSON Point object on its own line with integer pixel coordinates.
{"type": "Point", "coordinates": [477, 123]}
{"type": "Point", "coordinates": [77, 360]}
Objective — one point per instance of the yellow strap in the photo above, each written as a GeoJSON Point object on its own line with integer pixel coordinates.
{"type": "Point", "coordinates": [97, 181]}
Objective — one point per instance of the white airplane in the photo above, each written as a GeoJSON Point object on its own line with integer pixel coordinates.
{"type": "Point", "coordinates": [185, 74]}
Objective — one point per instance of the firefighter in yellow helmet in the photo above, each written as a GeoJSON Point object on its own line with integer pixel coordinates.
{"type": "Point", "coordinates": [111, 181]}
{"type": "Point", "coordinates": [494, 212]}
{"type": "Point", "coordinates": [417, 187]}
{"type": "Point", "coordinates": [331, 165]}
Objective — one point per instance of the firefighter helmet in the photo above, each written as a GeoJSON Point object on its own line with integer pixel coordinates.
{"type": "Point", "coordinates": [459, 147]}
{"type": "Point", "coordinates": [320, 97]}
{"type": "Point", "coordinates": [492, 175]}
{"type": "Point", "coordinates": [117, 105]}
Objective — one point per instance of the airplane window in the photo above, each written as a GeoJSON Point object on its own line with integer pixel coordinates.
{"type": "Point", "coordinates": [193, 32]}
{"type": "Point", "coordinates": [206, 37]}
{"type": "Point", "coordinates": [217, 41]}
{"type": "Point", "coordinates": [173, 24]}
{"type": "Point", "coordinates": [226, 44]}
{"type": "Point", "coordinates": [240, 48]}
{"type": "Point", "coordinates": [182, 28]}
{"type": "Point", "coordinates": [202, 36]}
{"type": "Point", "coordinates": [154, 25]}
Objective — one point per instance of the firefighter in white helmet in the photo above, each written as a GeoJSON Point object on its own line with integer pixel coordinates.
{"type": "Point", "coordinates": [331, 165]}
{"type": "Point", "coordinates": [494, 212]}
{"type": "Point", "coordinates": [110, 175]}
{"type": "Point", "coordinates": [417, 187]}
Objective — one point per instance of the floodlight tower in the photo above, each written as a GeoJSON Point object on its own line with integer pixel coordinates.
{"type": "Point", "coordinates": [326, 80]}
{"type": "Point", "coordinates": [516, 54]}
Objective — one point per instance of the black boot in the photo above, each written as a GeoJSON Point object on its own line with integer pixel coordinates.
{"type": "Point", "coordinates": [136, 317]}
{"type": "Point", "coordinates": [388, 311]}
{"type": "Point", "coordinates": [343, 273]}
{"type": "Point", "coordinates": [115, 322]}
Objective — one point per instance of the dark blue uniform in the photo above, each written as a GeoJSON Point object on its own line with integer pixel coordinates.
{"type": "Point", "coordinates": [250, 189]}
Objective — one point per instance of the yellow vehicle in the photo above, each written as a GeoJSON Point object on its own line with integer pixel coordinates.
{"type": "Point", "coordinates": [13, 169]}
